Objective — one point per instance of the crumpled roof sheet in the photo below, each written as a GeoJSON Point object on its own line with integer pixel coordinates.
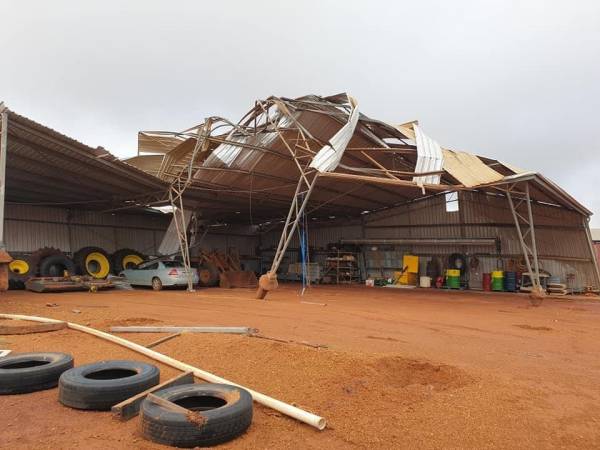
{"type": "Point", "coordinates": [429, 158]}
{"type": "Point", "coordinates": [365, 164]}
{"type": "Point", "coordinates": [330, 155]}
{"type": "Point", "coordinates": [468, 169]}
{"type": "Point", "coordinates": [157, 142]}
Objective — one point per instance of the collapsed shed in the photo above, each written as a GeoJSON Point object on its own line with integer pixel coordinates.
{"type": "Point", "coordinates": [365, 182]}
{"type": "Point", "coordinates": [310, 174]}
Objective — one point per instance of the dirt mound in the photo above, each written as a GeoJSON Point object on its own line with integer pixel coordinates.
{"type": "Point", "coordinates": [401, 372]}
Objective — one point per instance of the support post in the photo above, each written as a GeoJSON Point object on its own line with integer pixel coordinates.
{"type": "Point", "coordinates": [305, 186]}
{"type": "Point", "coordinates": [588, 234]}
{"type": "Point", "coordinates": [529, 251]}
{"type": "Point", "coordinates": [176, 200]}
{"type": "Point", "coordinates": [3, 152]}
{"type": "Point", "coordinates": [176, 190]}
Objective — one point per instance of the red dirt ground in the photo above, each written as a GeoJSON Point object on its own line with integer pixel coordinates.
{"type": "Point", "coordinates": [403, 369]}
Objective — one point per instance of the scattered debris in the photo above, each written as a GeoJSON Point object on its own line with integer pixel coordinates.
{"type": "Point", "coordinates": [171, 329]}
{"type": "Point", "coordinates": [66, 284]}
{"type": "Point", "coordinates": [161, 340]}
{"type": "Point", "coordinates": [303, 416]}
{"type": "Point", "coordinates": [76, 311]}
{"type": "Point", "coordinates": [314, 303]}
{"type": "Point", "coordinates": [286, 341]}
{"type": "Point", "coordinates": [31, 329]}
{"type": "Point", "coordinates": [131, 407]}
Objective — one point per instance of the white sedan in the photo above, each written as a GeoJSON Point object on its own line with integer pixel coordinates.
{"type": "Point", "coordinates": [158, 274]}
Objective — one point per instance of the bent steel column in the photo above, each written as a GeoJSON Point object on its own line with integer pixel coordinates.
{"type": "Point", "coordinates": [305, 186]}
{"type": "Point", "coordinates": [3, 151]}
{"type": "Point", "coordinates": [529, 251]}
{"type": "Point", "coordinates": [176, 200]}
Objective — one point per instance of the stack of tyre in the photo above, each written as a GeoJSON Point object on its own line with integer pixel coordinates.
{"type": "Point", "coordinates": [52, 262]}
{"type": "Point", "coordinates": [194, 414]}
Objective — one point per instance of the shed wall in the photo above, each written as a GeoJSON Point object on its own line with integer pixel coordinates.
{"type": "Point", "coordinates": [560, 235]}
{"type": "Point", "coordinates": [28, 228]}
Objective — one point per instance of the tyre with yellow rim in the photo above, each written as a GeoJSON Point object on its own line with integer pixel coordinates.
{"type": "Point", "coordinates": [93, 261]}
{"type": "Point", "coordinates": [19, 266]}
{"type": "Point", "coordinates": [20, 269]}
{"type": "Point", "coordinates": [126, 258]}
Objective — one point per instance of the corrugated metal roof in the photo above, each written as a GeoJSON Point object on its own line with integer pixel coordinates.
{"type": "Point", "coordinates": [46, 167]}
{"type": "Point", "coordinates": [250, 161]}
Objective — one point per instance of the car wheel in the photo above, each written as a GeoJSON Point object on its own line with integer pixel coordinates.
{"type": "Point", "coordinates": [156, 284]}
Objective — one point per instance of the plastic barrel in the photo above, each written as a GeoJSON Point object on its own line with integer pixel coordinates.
{"type": "Point", "coordinates": [487, 282]}
{"type": "Point", "coordinates": [497, 280]}
{"type": "Point", "coordinates": [453, 278]}
{"type": "Point", "coordinates": [510, 281]}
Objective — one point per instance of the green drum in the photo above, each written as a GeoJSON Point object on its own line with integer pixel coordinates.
{"type": "Point", "coordinates": [497, 280]}
{"type": "Point", "coordinates": [453, 278]}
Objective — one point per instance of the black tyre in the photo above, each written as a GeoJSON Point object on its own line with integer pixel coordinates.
{"type": "Point", "coordinates": [157, 284]}
{"type": "Point", "coordinates": [93, 261]}
{"type": "Point", "coordinates": [20, 270]}
{"type": "Point", "coordinates": [223, 413]}
{"type": "Point", "coordinates": [125, 258]}
{"type": "Point", "coordinates": [56, 266]}
{"type": "Point", "coordinates": [36, 258]}
{"type": "Point", "coordinates": [29, 372]}
{"type": "Point", "coordinates": [457, 261]}
{"type": "Point", "coordinates": [99, 386]}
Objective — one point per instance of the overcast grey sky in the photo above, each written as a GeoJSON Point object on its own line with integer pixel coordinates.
{"type": "Point", "coordinates": [514, 80]}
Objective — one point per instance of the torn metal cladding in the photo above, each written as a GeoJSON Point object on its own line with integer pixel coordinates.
{"type": "Point", "coordinates": [314, 151]}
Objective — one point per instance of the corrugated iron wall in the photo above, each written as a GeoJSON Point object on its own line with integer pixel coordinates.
{"type": "Point", "coordinates": [560, 234]}
{"type": "Point", "coordinates": [28, 228]}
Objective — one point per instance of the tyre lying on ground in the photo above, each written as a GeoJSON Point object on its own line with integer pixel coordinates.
{"type": "Point", "coordinates": [125, 258]}
{"type": "Point", "coordinates": [92, 261]}
{"type": "Point", "coordinates": [28, 372]}
{"type": "Point", "coordinates": [217, 413]}
{"type": "Point", "coordinates": [101, 385]}
{"type": "Point", "coordinates": [56, 266]}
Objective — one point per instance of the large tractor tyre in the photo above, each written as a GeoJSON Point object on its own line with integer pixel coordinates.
{"type": "Point", "coordinates": [28, 372]}
{"type": "Point", "coordinates": [457, 261]}
{"type": "Point", "coordinates": [20, 270]}
{"type": "Point", "coordinates": [99, 386]}
{"type": "Point", "coordinates": [217, 413]}
{"type": "Point", "coordinates": [125, 258]}
{"type": "Point", "coordinates": [56, 266]}
{"type": "Point", "coordinates": [93, 261]}
{"type": "Point", "coordinates": [35, 259]}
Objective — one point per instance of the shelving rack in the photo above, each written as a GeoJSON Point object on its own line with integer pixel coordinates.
{"type": "Point", "coordinates": [342, 267]}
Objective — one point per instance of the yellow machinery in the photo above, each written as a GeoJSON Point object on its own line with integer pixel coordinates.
{"type": "Point", "coordinates": [410, 271]}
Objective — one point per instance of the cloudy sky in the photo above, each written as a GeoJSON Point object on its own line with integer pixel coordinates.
{"type": "Point", "coordinates": [515, 80]}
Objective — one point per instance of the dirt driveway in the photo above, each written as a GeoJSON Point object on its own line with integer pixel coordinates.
{"type": "Point", "coordinates": [402, 369]}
